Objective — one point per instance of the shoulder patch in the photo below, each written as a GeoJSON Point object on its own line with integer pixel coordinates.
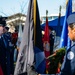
{"type": "Point", "coordinates": [70, 55]}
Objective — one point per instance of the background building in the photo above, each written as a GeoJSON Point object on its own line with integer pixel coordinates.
{"type": "Point", "coordinates": [50, 18]}
{"type": "Point", "coordinates": [14, 21]}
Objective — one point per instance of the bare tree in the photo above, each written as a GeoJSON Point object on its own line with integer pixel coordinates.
{"type": "Point", "coordinates": [3, 12]}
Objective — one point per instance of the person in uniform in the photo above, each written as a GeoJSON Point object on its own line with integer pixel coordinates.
{"type": "Point", "coordinates": [52, 37]}
{"type": "Point", "coordinates": [5, 59]}
{"type": "Point", "coordinates": [8, 38]}
{"type": "Point", "coordinates": [68, 65]}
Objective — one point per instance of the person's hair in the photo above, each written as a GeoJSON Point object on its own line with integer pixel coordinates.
{"type": "Point", "coordinates": [72, 25]}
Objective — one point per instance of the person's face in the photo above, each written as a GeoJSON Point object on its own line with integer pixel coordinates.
{"type": "Point", "coordinates": [1, 30]}
{"type": "Point", "coordinates": [71, 33]}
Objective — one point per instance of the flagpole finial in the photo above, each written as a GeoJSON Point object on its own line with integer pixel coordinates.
{"type": "Point", "coordinates": [46, 12]}
{"type": "Point", "coordinates": [67, 2]}
{"type": "Point", "coordinates": [60, 8]}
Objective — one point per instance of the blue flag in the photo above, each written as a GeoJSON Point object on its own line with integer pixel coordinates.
{"type": "Point", "coordinates": [65, 41]}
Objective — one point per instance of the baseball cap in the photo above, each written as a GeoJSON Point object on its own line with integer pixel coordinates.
{"type": "Point", "coordinates": [71, 18]}
{"type": "Point", "coordinates": [2, 21]}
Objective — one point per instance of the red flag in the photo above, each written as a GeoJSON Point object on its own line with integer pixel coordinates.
{"type": "Point", "coordinates": [46, 43]}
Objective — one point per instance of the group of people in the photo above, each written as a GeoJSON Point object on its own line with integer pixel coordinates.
{"type": "Point", "coordinates": [68, 65]}
{"type": "Point", "coordinates": [6, 51]}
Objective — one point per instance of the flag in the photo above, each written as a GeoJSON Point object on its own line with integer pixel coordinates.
{"type": "Point", "coordinates": [58, 24]}
{"type": "Point", "coordinates": [20, 32]}
{"type": "Point", "coordinates": [58, 31]}
{"type": "Point", "coordinates": [65, 41]}
{"type": "Point", "coordinates": [19, 35]}
{"type": "Point", "coordinates": [38, 44]}
{"type": "Point", "coordinates": [31, 42]}
{"type": "Point", "coordinates": [19, 38]}
{"type": "Point", "coordinates": [47, 42]}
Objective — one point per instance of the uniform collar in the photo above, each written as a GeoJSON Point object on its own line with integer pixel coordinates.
{"type": "Point", "coordinates": [73, 43]}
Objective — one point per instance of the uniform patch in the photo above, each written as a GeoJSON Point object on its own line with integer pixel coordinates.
{"type": "Point", "coordinates": [70, 55]}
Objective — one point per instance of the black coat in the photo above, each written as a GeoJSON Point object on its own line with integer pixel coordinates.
{"type": "Point", "coordinates": [5, 55]}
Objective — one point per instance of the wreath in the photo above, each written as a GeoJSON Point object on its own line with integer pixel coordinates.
{"type": "Point", "coordinates": [56, 60]}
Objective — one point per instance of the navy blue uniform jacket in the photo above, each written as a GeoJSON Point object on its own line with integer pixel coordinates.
{"type": "Point", "coordinates": [68, 66]}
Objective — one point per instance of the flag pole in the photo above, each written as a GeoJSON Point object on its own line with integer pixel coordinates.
{"type": "Point", "coordinates": [34, 20]}
{"type": "Point", "coordinates": [60, 11]}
